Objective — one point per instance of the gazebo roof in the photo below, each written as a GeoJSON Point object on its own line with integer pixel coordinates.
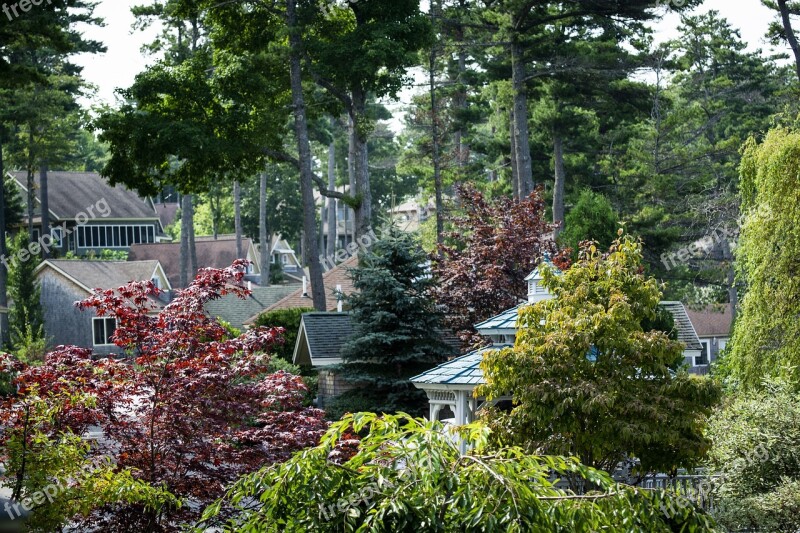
{"type": "Point", "coordinates": [464, 370]}
{"type": "Point", "coordinates": [507, 320]}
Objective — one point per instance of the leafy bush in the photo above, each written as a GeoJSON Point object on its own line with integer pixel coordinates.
{"type": "Point", "coordinates": [288, 319]}
{"type": "Point", "coordinates": [409, 475]}
{"type": "Point", "coordinates": [591, 219]}
{"type": "Point", "coordinates": [756, 454]}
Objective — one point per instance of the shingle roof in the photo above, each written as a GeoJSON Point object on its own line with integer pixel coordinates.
{"type": "Point", "coordinates": [330, 279]}
{"type": "Point", "coordinates": [71, 193]}
{"type": "Point", "coordinates": [106, 274]}
{"type": "Point", "coordinates": [464, 370]}
{"type": "Point", "coordinates": [326, 333]}
{"type": "Point", "coordinates": [236, 311]}
{"type": "Point", "coordinates": [210, 254]}
{"type": "Point", "coordinates": [167, 213]}
{"type": "Point", "coordinates": [507, 320]}
{"type": "Point", "coordinates": [712, 321]}
{"type": "Point", "coordinates": [686, 332]}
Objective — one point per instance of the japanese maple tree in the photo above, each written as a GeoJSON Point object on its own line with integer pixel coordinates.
{"type": "Point", "coordinates": [491, 247]}
{"type": "Point", "coordinates": [191, 410]}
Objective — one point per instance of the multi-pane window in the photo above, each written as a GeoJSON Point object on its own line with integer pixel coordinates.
{"type": "Point", "coordinates": [122, 236]}
{"type": "Point", "coordinates": [103, 329]}
{"type": "Point", "coordinates": [703, 358]}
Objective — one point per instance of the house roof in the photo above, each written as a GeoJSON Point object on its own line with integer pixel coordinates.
{"type": "Point", "coordinates": [92, 275]}
{"type": "Point", "coordinates": [210, 254]}
{"type": "Point", "coordinates": [71, 193]}
{"type": "Point", "coordinates": [686, 332]}
{"type": "Point", "coordinates": [236, 311]}
{"type": "Point", "coordinates": [324, 334]}
{"type": "Point", "coordinates": [713, 321]}
{"type": "Point", "coordinates": [464, 370]}
{"type": "Point", "coordinates": [167, 213]}
{"type": "Point", "coordinates": [330, 279]}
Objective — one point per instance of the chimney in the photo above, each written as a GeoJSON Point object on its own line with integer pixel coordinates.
{"type": "Point", "coordinates": [250, 286]}
{"type": "Point", "coordinates": [305, 287]}
{"type": "Point", "coordinates": [338, 298]}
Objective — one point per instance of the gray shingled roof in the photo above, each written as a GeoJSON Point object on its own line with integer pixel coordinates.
{"type": "Point", "coordinates": [507, 320]}
{"type": "Point", "coordinates": [70, 193]}
{"type": "Point", "coordinates": [686, 332]}
{"type": "Point", "coordinates": [106, 274]}
{"type": "Point", "coordinates": [236, 311]}
{"type": "Point", "coordinates": [464, 370]}
{"type": "Point", "coordinates": [326, 333]}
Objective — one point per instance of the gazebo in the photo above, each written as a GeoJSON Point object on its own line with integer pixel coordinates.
{"type": "Point", "coordinates": [450, 386]}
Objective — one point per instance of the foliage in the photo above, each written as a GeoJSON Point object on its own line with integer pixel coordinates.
{"type": "Point", "coordinates": [289, 320]}
{"type": "Point", "coordinates": [14, 207]}
{"type": "Point", "coordinates": [195, 411]}
{"type": "Point", "coordinates": [409, 475]}
{"type": "Point", "coordinates": [756, 454]}
{"type": "Point", "coordinates": [26, 317]}
{"type": "Point", "coordinates": [104, 255]}
{"type": "Point", "coordinates": [46, 464]}
{"type": "Point", "coordinates": [766, 338]}
{"type": "Point", "coordinates": [395, 324]}
{"type": "Point", "coordinates": [592, 218]}
{"type": "Point", "coordinates": [586, 378]}
{"type": "Point", "coordinates": [491, 248]}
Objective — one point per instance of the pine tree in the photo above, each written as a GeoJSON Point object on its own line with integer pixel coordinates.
{"type": "Point", "coordinates": [26, 317]}
{"type": "Point", "coordinates": [395, 328]}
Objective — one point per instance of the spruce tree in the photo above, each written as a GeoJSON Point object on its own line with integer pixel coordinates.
{"type": "Point", "coordinates": [395, 329]}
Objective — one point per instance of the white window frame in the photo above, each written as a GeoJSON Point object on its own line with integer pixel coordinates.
{"type": "Point", "coordinates": [707, 348]}
{"type": "Point", "coordinates": [57, 235]}
{"type": "Point", "coordinates": [116, 236]}
{"type": "Point", "coordinates": [105, 320]}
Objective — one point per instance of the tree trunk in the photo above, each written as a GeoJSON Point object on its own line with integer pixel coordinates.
{"type": "Point", "coordinates": [363, 192]}
{"type": "Point", "coordinates": [521, 134]}
{"type": "Point", "coordinates": [437, 170]}
{"type": "Point", "coordinates": [304, 152]}
{"type": "Point", "coordinates": [514, 170]}
{"type": "Point", "coordinates": [558, 187]}
{"type": "Point", "coordinates": [4, 333]}
{"type": "Point", "coordinates": [237, 217]}
{"type": "Point", "coordinates": [192, 249]}
{"type": "Point", "coordinates": [45, 205]}
{"type": "Point", "coordinates": [351, 174]}
{"type": "Point", "coordinates": [263, 231]}
{"type": "Point", "coordinates": [332, 227]}
{"type": "Point", "coordinates": [790, 36]}
{"type": "Point", "coordinates": [185, 221]}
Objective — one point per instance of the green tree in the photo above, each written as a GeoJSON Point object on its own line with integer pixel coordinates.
{"type": "Point", "coordinates": [395, 327]}
{"type": "Point", "coordinates": [289, 320]}
{"type": "Point", "coordinates": [589, 381]}
{"type": "Point", "coordinates": [409, 475]}
{"type": "Point", "coordinates": [26, 317]}
{"type": "Point", "coordinates": [756, 458]}
{"type": "Point", "coordinates": [766, 336]}
{"type": "Point", "coordinates": [591, 218]}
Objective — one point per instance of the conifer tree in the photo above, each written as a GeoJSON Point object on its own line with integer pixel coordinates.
{"type": "Point", "coordinates": [26, 317]}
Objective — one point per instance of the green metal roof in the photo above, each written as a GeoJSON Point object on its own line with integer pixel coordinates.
{"type": "Point", "coordinates": [464, 370]}
{"type": "Point", "coordinates": [507, 320]}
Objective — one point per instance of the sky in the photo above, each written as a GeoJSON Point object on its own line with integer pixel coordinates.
{"type": "Point", "coordinates": [117, 67]}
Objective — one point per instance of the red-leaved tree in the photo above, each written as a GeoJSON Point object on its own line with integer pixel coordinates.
{"type": "Point", "coordinates": [491, 248]}
{"type": "Point", "coordinates": [191, 410]}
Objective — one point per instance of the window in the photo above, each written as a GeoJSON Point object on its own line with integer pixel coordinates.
{"type": "Point", "coordinates": [702, 359]}
{"type": "Point", "coordinates": [119, 236]}
{"type": "Point", "coordinates": [274, 258]}
{"type": "Point", "coordinates": [58, 236]}
{"type": "Point", "coordinates": [103, 329]}
{"type": "Point", "coordinates": [284, 259]}
{"type": "Point", "coordinates": [156, 281]}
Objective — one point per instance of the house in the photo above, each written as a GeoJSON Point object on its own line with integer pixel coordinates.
{"type": "Point", "coordinates": [89, 215]}
{"type": "Point", "coordinates": [319, 342]}
{"type": "Point", "coordinates": [450, 386]}
{"type": "Point", "coordinates": [219, 253]}
{"type": "Point", "coordinates": [167, 213]}
{"type": "Point", "coordinates": [235, 311]}
{"type": "Point", "coordinates": [713, 325]}
{"type": "Point", "coordinates": [409, 215]}
{"type": "Point", "coordinates": [65, 282]}
{"type": "Point", "coordinates": [337, 283]}
{"type": "Point", "coordinates": [283, 254]}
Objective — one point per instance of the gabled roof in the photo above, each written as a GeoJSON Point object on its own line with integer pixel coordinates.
{"type": "Point", "coordinates": [330, 279]}
{"type": "Point", "coordinates": [321, 338]}
{"type": "Point", "coordinates": [236, 311]}
{"type": "Point", "coordinates": [210, 254]}
{"type": "Point", "coordinates": [712, 321]}
{"type": "Point", "coordinates": [71, 193]}
{"type": "Point", "coordinates": [90, 275]}
{"type": "Point", "coordinates": [464, 370]}
{"type": "Point", "coordinates": [686, 332]}
{"type": "Point", "coordinates": [167, 213]}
